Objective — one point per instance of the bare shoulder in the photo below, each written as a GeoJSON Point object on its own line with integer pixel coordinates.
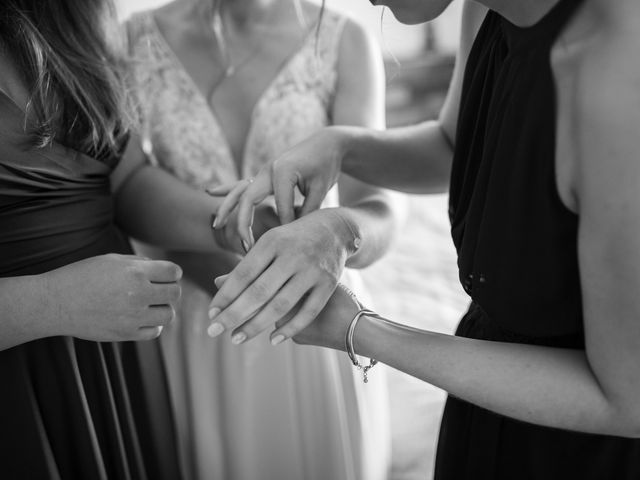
{"type": "Point", "coordinates": [473, 15]}
{"type": "Point", "coordinates": [607, 102]}
{"type": "Point", "coordinates": [361, 73]}
{"type": "Point", "coordinates": [360, 89]}
{"type": "Point", "coordinates": [357, 43]}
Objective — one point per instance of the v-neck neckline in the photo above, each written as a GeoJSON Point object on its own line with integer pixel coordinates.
{"type": "Point", "coordinates": [239, 164]}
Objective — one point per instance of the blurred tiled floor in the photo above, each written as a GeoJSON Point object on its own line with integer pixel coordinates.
{"type": "Point", "coordinates": [416, 284]}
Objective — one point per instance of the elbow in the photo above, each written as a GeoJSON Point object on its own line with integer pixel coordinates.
{"type": "Point", "coordinates": [625, 422]}
{"type": "Point", "coordinates": [631, 427]}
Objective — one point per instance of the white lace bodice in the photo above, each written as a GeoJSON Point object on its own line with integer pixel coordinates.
{"type": "Point", "coordinates": [182, 129]}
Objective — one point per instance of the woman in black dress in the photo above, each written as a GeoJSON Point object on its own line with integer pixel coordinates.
{"type": "Point", "coordinates": [78, 400]}
{"type": "Point", "coordinates": [541, 125]}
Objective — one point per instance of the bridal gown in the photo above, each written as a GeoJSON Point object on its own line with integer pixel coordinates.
{"type": "Point", "coordinates": [70, 408]}
{"type": "Point", "coordinates": [254, 412]}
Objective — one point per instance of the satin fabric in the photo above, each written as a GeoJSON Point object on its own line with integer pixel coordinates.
{"type": "Point", "coordinates": [69, 408]}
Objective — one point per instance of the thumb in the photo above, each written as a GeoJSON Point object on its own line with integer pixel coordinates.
{"type": "Point", "coordinates": [312, 201]}
{"type": "Point", "coordinates": [284, 192]}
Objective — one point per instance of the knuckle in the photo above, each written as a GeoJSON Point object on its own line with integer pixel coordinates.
{"type": "Point", "coordinates": [132, 298]}
{"type": "Point", "coordinates": [260, 291]}
{"type": "Point", "coordinates": [136, 271]}
{"type": "Point", "coordinates": [281, 306]}
{"type": "Point", "coordinates": [112, 257]}
{"type": "Point", "coordinates": [243, 274]}
{"type": "Point", "coordinates": [308, 314]}
{"type": "Point", "coordinates": [271, 237]}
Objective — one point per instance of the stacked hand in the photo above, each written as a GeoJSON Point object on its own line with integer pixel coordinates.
{"type": "Point", "coordinates": [313, 167]}
{"type": "Point", "coordinates": [293, 267]}
{"type": "Point", "coordinates": [226, 229]}
{"type": "Point", "coordinates": [329, 328]}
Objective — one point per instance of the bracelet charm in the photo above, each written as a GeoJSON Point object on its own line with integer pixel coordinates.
{"type": "Point", "coordinates": [349, 343]}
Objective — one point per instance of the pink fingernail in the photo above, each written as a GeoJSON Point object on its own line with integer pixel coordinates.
{"type": "Point", "coordinates": [245, 245]}
{"type": "Point", "coordinates": [215, 329]}
{"type": "Point", "coordinates": [213, 312]}
{"type": "Point", "coordinates": [238, 338]}
{"type": "Point", "coordinates": [277, 340]}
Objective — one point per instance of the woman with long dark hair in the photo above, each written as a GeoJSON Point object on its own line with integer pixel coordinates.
{"type": "Point", "coordinates": [541, 129]}
{"type": "Point", "coordinates": [80, 398]}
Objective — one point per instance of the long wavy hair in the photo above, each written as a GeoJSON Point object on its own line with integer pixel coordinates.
{"type": "Point", "coordinates": [70, 55]}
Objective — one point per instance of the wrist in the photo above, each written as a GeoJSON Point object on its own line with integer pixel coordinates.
{"type": "Point", "coordinates": [350, 142]}
{"type": "Point", "coordinates": [366, 335]}
{"type": "Point", "coordinates": [44, 308]}
{"type": "Point", "coordinates": [346, 231]}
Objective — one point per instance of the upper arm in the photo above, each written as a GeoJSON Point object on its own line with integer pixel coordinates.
{"type": "Point", "coordinates": [132, 160]}
{"type": "Point", "coordinates": [607, 187]}
{"type": "Point", "coordinates": [360, 96]}
{"type": "Point", "coordinates": [360, 89]}
{"type": "Point", "coordinates": [472, 16]}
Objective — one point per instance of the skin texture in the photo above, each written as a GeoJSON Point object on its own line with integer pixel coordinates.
{"type": "Point", "coordinates": [302, 261]}
{"type": "Point", "coordinates": [107, 298]}
{"type": "Point", "coordinates": [596, 390]}
{"type": "Point", "coordinates": [150, 205]}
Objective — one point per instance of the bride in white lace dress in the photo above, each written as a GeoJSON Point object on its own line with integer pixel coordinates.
{"type": "Point", "coordinates": [223, 87]}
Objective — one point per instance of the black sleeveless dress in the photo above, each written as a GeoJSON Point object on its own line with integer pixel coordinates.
{"type": "Point", "coordinates": [72, 409]}
{"type": "Point", "coordinates": [517, 255]}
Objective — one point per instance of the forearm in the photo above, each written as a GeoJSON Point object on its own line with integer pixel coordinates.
{"type": "Point", "coordinates": [24, 310]}
{"type": "Point", "coordinates": [372, 222]}
{"type": "Point", "coordinates": [155, 207]}
{"type": "Point", "coordinates": [414, 159]}
{"type": "Point", "coordinates": [545, 386]}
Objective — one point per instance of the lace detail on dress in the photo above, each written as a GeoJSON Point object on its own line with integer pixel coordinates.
{"type": "Point", "coordinates": [182, 130]}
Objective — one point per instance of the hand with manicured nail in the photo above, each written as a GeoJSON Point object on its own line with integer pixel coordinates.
{"type": "Point", "coordinates": [313, 166]}
{"type": "Point", "coordinates": [227, 231]}
{"type": "Point", "coordinates": [292, 268]}
{"type": "Point", "coordinates": [111, 298]}
{"type": "Point", "coordinates": [215, 329]}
